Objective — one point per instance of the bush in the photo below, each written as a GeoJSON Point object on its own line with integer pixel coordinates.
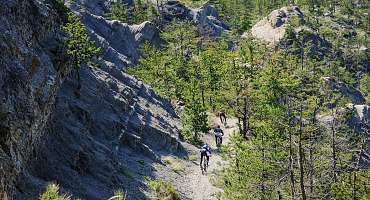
{"type": "Point", "coordinates": [80, 47]}
{"type": "Point", "coordinates": [193, 157]}
{"type": "Point", "coordinates": [195, 121]}
{"type": "Point", "coordinates": [118, 195]}
{"type": "Point", "coordinates": [164, 190]}
{"type": "Point", "coordinates": [136, 14]}
{"type": "Point", "coordinates": [118, 12]}
{"type": "Point", "coordinates": [365, 87]}
{"type": "Point", "coordinates": [52, 193]}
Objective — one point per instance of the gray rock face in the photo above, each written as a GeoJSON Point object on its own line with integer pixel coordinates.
{"type": "Point", "coordinates": [105, 139]}
{"type": "Point", "coordinates": [119, 41]}
{"type": "Point", "coordinates": [95, 141]}
{"type": "Point", "coordinates": [32, 68]}
{"type": "Point", "coordinates": [359, 121]}
{"type": "Point", "coordinates": [206, 17]}
{"type": "Point", "coordinates": [96, 7]}
{"type": "Point", "coordinates": [354, 95]}
{"type": "Point", "coordinates": [361, 117]}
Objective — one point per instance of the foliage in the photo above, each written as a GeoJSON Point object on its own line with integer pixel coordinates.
{"type": "Point", "coordinates": [118, 12]}
{"type": "Point", "coordinates": [80, 47]}
{"type": "Point", "coordinates": [164, 190]}
{"type": "Point", "coordinates": [61, 9]}
{"type": "Point", "coordinates": [294, 141]}
{"type": "Point", "coordinates": [52, 193]}
{"type": "Point", "coordinates": [365, 87]}
{"type": "Point", "coordinates": [137, 13]}
{"type": "Point", "coordinates": [352, 186]}
{"type": "Point", "coordinates": [175, 164]}
{"type": "Point", "coordinates": [195, 120]}
{"type": "Point", "coordinates": [118, 195]}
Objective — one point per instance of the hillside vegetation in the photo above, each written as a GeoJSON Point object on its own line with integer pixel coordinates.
{"type": "Point", "coordinates": [113, 99]}
{"type": "Point", "coordinates": [295, 139]}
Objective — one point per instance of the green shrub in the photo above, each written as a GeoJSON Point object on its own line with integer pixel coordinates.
{"type": "Point", "coordinates": [80, 47]}
{"type": "Point", "coordinates": [365, 87]}
{"type": "Point", "coordinates": [118, 195]}
{"type": "Point", "coordinates": [164, 190]}
{"type": "Point", "coordinates": [352, 186]}
{"type": "Point", "coordinates": [118, 12]}
{"type": "Point", "coordinates": [295, 21]}
{"type": "Point", "coordinates": [135, 14]}
{"type": "Point", "coordinates": [193, 158]}
{"type": "Point", "coordinates": [52, 193]}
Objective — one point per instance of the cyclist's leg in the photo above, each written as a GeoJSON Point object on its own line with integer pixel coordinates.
{"type": "Point", "coordinates": [202, 159]}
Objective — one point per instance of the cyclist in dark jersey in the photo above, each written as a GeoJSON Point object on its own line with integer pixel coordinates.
{"type": "Point", "coordinates": [218, 134]}
{"type": "Point", "coordinates": [222, 116]}
{"type": "Point", "coordinates": [205, 153]}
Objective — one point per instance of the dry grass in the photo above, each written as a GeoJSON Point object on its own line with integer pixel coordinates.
{"type": "Point", "coordinates": [193, 158]}
{"type": "Point", "coordinates": [175, 164]}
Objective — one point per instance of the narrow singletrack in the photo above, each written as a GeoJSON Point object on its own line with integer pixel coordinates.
{"type": "Point", "coordinates": [190, 182]}
{"type": "Point", "coordinates": [201, 186]}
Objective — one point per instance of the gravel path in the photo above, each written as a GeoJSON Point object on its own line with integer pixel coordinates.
{"type": "Point", "coordinates": [191, 183]}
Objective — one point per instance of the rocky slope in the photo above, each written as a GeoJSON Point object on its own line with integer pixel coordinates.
{"type": "Point", "coordinates": [120, 42]}
{"type": "Point", "coordinates": [32, 68]}
{"type": "Point", "coordinates": [95, 143]}
{"type": "Point", "coordinates": [92, 144]}
{"type": "Point", "coordinates": [206, 17]}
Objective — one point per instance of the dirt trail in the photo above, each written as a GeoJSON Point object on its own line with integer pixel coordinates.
{"type": "Point", "coordinates": [190, 181]}
{"type": "Point", "coordinates": [201, 185]}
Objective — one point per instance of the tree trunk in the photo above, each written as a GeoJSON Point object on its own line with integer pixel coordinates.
{"type": "Point", "coordinates": [263, 189]}
{"type": "Point", "coordinates": [291, 166]}
{"type": "Point", "coordinates": [301, 156]}
{"type": "Point", "coordinates": [312, 171]}
{"type": "Point", "coordinates": [291, 160]}
{"type": "Point", "coordinates": [334, 152]}
{"type": "Point", "coordinates": [245, 118]}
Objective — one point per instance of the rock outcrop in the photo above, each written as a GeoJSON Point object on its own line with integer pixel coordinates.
{"type": "Point", "coordinates": [33, 65]}
{"type": "Point", "coordinates": [119, 42]}
{"type": "Point", "coordinates": [351, 93]}
{"type": "Point", "coordinates": [106, 139]}
{"type": "Point", "coordinates": [206, 17]}
{"type": "Point", "coordinates": [91, 144]}
{"type": "Point", "coordinates": [272, 28]}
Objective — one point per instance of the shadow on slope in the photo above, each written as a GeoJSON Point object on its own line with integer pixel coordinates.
{"type": "Point", "coordinates": [106, 139]}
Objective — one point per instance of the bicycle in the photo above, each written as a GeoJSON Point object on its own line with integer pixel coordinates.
{"type": "Point", "coordinates": [218, 138]}
{"type": "Point", "coordinates": [204, 167]}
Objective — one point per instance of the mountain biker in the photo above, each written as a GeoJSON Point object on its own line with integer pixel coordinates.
{"type": "Point", "coordinates": [222, 116]}
{"type": "Point", "coordinates": [218, 134]}
{"type": "Point", "coordinates": [205, 152]}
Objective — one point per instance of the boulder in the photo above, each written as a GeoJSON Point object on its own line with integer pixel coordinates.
{"type": "Point", "coordinates": [272, 28]}
{"type": "Point", "coordinates": [361, 116]}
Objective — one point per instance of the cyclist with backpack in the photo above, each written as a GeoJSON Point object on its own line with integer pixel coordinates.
{"type": "Point", "coordinates": [218, 135]}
